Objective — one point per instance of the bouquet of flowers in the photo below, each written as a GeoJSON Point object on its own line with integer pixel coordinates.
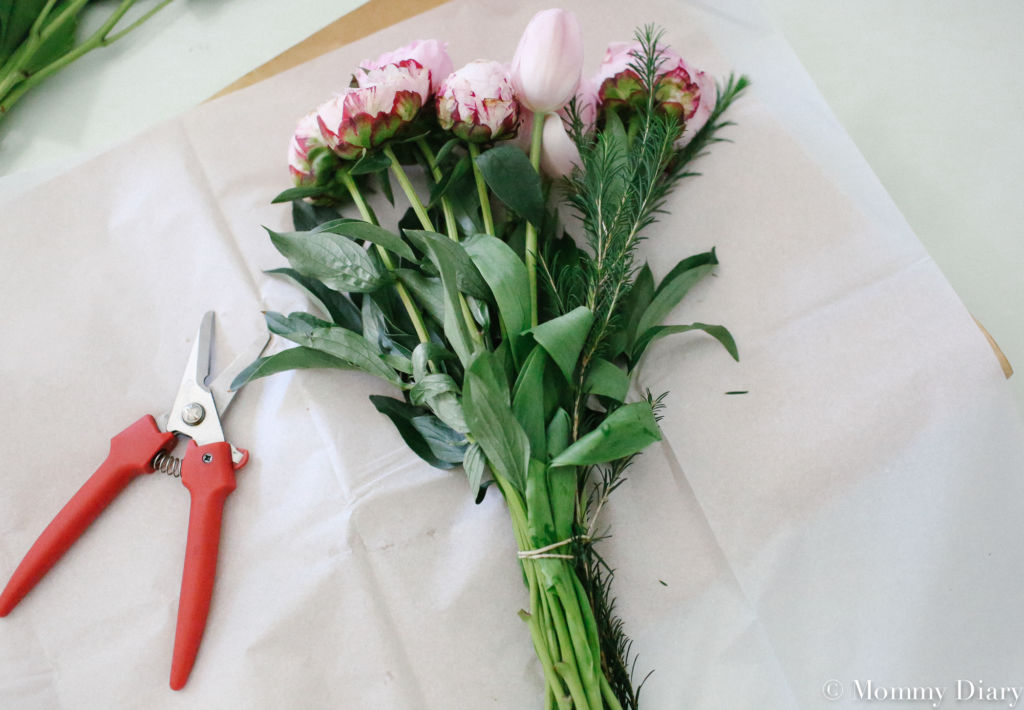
{"type": "Point", "coordinates": [511, 341]}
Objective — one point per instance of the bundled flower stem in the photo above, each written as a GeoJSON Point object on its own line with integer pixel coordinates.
{"type": "Point", "coordinates": [513, 347]}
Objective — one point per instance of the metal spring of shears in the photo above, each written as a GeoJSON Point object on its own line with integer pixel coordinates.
{"type": "Point", "coordinates": [166, 463]}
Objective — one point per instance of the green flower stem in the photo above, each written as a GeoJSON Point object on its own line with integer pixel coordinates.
{"type": "Point", "coordinates": [16, 80]}
{"type": "Point", "coordinates": [446, 206]}
{"type": "Point", "coordinates": [481, 190]}
{"type": "Point", "coordinates": [531, 231]}
{"type": "Point", "coordinates": [410, 192]}
{"type": "Point", "coordinates": [410, 306]}
{"type": "Point", "coordinates": [421, 213]}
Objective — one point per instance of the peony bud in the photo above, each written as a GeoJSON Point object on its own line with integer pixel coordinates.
{"type": "Point", "coordinates": [428, 53]}
{"type": "Point", "coordinates": [559, 153]}
{"type": "Point", "coordinates": [477, 103]}
{"type": "Point", "coordinates": [406, 75]}
{"type": "Point", "coordinates": [680, 90]}
{"type": "Point", "coordinates": [364, 117]}
{"type": "Point", "coordinates": [685, 93]}
{"type": "Point", "coordinates": [305, 144]}
{"type": "Point", "coordinates": [616, 82]}
{"type": "Point", "coordinates": [548, 61]}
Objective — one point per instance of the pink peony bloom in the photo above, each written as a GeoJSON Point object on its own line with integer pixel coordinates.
{"type": "Point", "coordinates": [477, 103]}
{"type": "Point", "coordinates": [681, 90]}
{"type": "Point", "coordinates": [616, 82]}
{"type": "Point", "coordinates": [305, 140]}
{"type": "Point", "coordinates": [405, 75]}
{"type": "Point", "coordinates": [428, 53]}
{"type": "Point", "coordinates": [548, 62]}
{"type": "Point", "coordinates": [366, 116]}
{"type": "Point", "coordinates": [559, 153]}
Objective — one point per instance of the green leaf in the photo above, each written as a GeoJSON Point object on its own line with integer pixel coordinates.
{"type": "Point", "coordinates": [341, 310]}
{"type": "Point", "coordinates": [449, 257]}
{"type": "Point", "coordinates": [371, 233]}
{"type": "Point", "coordinates": [337, 261]}
{"type": "Point", "coordinates": [624, 432]}
{"type": "Point", "coordinates": [540, 523]}
{"type": "Point", "coordinates": [427, 440]}
{"type": "Point", "coordinates": [528, 401]}
{"type": "Point", "coordinates": [439, 393]}
{"type": "Point", "coordinates": [370, 163]}
{"type": "Point", "coordinates": [563, 337]}
{"type": "Point", "coordinates": [424, 353]}
{"type": "Point", "coordinates": [674, 286]}
{"type": "Point", "coordinates": [307, 217]}
{"type": "Point", "coordinates": [485, 401]}
{"type": "Point", "coordinates": [439, 246]}
{"type": "Point", "coordinates": [16, 18]}
{"type": "Point", "coordinates": [297, 194]}
{"type": "Point", "coordinates": [607, 380]}
{"type": "Point", "coordinates": [474, 465]}
{"type": "Point", "coordinates": [507, 171]}
{"type": "Point", "coordinates": [293, 323]}
{"type": "Point", "coordinates": [636, 302]}
{"type": "Point", "coordinates": [718, 332]}
{"type": "Point", "coordinates": [428, 291]}
{"type": "Point", "coordinates": [293, 359]}
{"type": "Point", "coordinates": [559, 429]}
{"type": "Point", "coordinates": [505, 274]}
{"type": "Point", "coordinates": [561, 479]}
{"type": "Point", "coordinates": [440, 189]}
{"type": "Point", "coordinates": [339, 342]}
{"type": "Point", "coordinates": [58, 39]}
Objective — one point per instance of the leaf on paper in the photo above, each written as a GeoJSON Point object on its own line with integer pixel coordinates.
{"type": "Point", "coordinates": [624, 432]}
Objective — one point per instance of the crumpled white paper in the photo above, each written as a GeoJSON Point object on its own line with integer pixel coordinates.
{"type": "Point", "coordinates": [854, 517]}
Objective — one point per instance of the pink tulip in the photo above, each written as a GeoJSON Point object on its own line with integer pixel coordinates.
{"type": "Point", "coordinates": [548, 62]}
{"type": "Point", "coordinates": [305, 140]}
{"type": "Point", "coordinates": [428, 53]}
{"type": "Point", "coordinates": [477, 103]}
{"type": "Point", "coordinates": [364, 117]}
{"type": "Point", "coordinates": [559, 153]}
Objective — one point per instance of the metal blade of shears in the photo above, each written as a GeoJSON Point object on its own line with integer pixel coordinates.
{"type": "Point", "coordinates": [194, 413]}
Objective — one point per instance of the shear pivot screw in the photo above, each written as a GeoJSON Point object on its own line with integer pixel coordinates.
{"type": "Point", "coordinates": [193, 413]}
{"type": "Point", "coordinates": [207, 458]}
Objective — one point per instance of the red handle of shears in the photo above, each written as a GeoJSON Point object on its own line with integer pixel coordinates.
{"type": "Point", "coordinates": [209, 475]}
{"type": "Point", "coordinates": [131, 454]}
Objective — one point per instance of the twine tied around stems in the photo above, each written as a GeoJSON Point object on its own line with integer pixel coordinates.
{"type": "Point", "coordinates": [545, 553]}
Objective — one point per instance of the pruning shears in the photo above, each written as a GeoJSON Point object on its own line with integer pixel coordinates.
{"type": "Point", "coordinates": [207, 471]}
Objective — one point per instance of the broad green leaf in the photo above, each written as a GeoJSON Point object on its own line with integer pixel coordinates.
{"type": "Point", "coordinates": [439, 393]}
{"type": "Point", "coordinates": [563, 337]}
{"type": "Point", "coordinates": [636, 302]}
{"type": "Point", "coordinates": [306, 216]}
{"type": "Point", "coordinates": [540, 522]}
{"type": "Point", "coordinates": [341, 343]}
{"type": "Point", "coordinates": [607, 380]}
{"type": "Point", "coordinates": [58, 39]}
{"type": "Point", "coordinates": [426, 290]}
{"type": "Point", "coordinates": [674, 286]}
{"type": "Point", "coordinates": [437, 247]}
{"type": "Point", "coordinates": [718, 332]}
{"type": "Point", "coordinates": [626, 431]}
{"type": "Point", "coordinates": [559, 429]}
{"type": "Point", "coordinates": [528, 401]}
{"type": "Point", "coordinates": [371, 233]}
{"type": "Point", "coordinates": [341, 310]}
{"type": "Point", "coordinates": [453, 176]}
{"type": "Point", "coordinates": [442, 252]}
{"type": "Point", "coordinates": [474, 465]}
{"type": "Point", "coordinates": [293, 359]}
{"type": "Point", "coordinates": [429, 442]}
{"type": "Point", "coordinates": [423, 353]}
{"type": "Point", "coordinates": [505, 274]}
{"type": "Point", "coordinates": [16, 18]}
{"type": "Point", "coordinates": [338, 262]}
{"type": "Point", "coordinates": [293, 323]}
{"type": "Point", "coordinates": [297, 194]}
{"type": "Point", "coordinates": [561, 479]}
{"type": "Point", "coordinates": [485, 401]}
{"type": "Point", "coordinates": [508, 172]}
{"type": "Point", "coordinates": [370, 163]}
